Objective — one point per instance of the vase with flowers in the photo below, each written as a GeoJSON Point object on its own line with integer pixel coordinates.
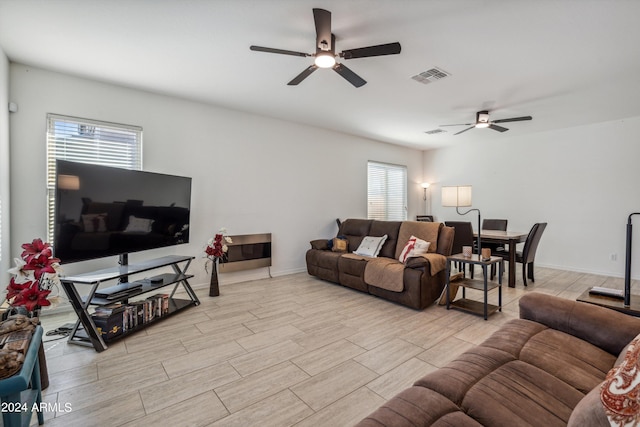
{"type": "Point", "coordinates": [215, 251]}
{"type": "Point", "coordinates": [35, 276]}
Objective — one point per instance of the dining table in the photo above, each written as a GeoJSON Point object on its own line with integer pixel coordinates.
{"type": "Point", "coordinates": [510, 238]}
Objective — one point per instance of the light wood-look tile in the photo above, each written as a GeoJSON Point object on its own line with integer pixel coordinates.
{"type": "Point", "coordinates": [328, 386]}
{"type": "Point", "coordinates": [290, 350]}
{"type": "Point", "coordinates": [253, 388]}
{"type": "Point", "coordinates": [281, 409]}
{"type": "Point", "coordinates": [346, 411]}
{"type": "Point", "coordinates": [186, 386]}
{"type": "Point", "coordinates": [393, 382]}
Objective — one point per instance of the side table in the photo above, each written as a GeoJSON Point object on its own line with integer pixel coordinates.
{"type": "Point", "coordinates": [21, 393]}
{"type": "Point", "coordinates": [612, 303]}
{"type": "Point", "coordinates": [476, 307]}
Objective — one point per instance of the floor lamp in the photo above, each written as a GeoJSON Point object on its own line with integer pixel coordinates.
{"type": "Point", "coordinates": [460, 196]}
{"type": "Point", "coordinates": [627, 273]}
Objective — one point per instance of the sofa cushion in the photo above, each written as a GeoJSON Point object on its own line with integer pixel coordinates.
{"type": "Point", "coordinates": [575, 361]}
{"type": "Point", "coordinates": [518, 394]}
{"type": "Point", "coordinates": [385, 273]}
{"type": "Point", "coordinates": [418, 406]}
{"type": "Point", "coordinates": [424, 230]}
{"type": "Point", "coordinates": [589, 412]}
{"type": "Point", "coordinates": [391, 229]}
{"type": "Point", "coordinates": [354, 230]}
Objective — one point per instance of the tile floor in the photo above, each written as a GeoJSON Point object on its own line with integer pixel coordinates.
{"type": "Point", "coordinates": [291, 350]}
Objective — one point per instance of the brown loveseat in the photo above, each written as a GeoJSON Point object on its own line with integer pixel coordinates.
{"type": "Point", "coordinates": [544, 369]}
{"type": "Point", "coordinates": [416, 283]}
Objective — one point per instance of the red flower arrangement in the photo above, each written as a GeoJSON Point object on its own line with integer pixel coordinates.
{"type": "Point", "coordinates": [36, 273]}
{"type": "Point", "coordinates": [217, 248]}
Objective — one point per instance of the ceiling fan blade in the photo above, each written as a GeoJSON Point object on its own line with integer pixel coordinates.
{"type": "Point", "coordinates": [349, 75]}
{"type": "Point", "coordinates": [498, 128]}
{"type": "Point", "coordinates": [378, 50]}
{"type": "Point", "coordinates": [322, 19]}
{"type": "Point", "coordinates": [460, 124]}
{"type": "Point", "coordinates": [281, 51]}
{"type": "Point", "coordinates": [514, 119]}
{"type": "Point", "coordinates": [303, 75]}
{"type": "Point", "coordinates": [458, 133]}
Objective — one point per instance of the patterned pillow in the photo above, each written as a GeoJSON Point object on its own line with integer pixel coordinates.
{"type": "Point", "coordinates": [620, 392]}
{"type": "Point", "coordinates": [414, 247]}
{"type": "Point", "coordinates": [339, 244]}
{"type": "Point", "coordinates": [370, 246]}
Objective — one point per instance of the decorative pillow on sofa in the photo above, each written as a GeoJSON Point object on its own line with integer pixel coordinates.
{"type": "Point", "coordinates": [414, 247]}
{"type": "Point", "coordinates": [339, 244]}
{"type": "Point", "coordinates": [94, 223]}
{"type": "Point", "coordinates": [370, 246]}
{"type": "Point", "coordinates": [620, 392]}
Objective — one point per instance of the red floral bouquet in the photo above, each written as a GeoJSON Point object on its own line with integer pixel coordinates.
{"type": "Point", "coordinates": [35, 274]}
{"type": "Point", "coordinates": [217, 248]}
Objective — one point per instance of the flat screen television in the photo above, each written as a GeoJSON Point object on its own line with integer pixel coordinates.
{"type": "Point", "coordinates": [104, 211]}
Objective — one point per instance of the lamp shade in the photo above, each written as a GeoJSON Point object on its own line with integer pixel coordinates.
{"type": "Point", "coordinates": [68, 182]}
{"type": "Point", "coordinates": [456, 196]}
{"type": "Point", "coordinates": [425, 185]}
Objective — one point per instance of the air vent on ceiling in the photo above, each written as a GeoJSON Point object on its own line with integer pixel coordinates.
{"type": "Point", "coordinates": [432, 75]}
{"type": "Point", "coordinates": [434, 131]}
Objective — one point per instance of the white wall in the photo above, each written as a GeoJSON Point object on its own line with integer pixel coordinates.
{"type": "Point", "coordinates": [5, 255]}
{"type": "Point", "coordinates": [583, 181]}
{"type": "Point", "coordinates": [251, 174]}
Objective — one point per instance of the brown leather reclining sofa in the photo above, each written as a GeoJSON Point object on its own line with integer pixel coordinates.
{"type": "Point", "coordinates": [548, 368]}
{"type": "Point", "coordinates": [420, 280]}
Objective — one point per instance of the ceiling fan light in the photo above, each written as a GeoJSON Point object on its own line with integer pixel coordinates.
{"type": "Point", "coordinates": [325, 60]}
{"type": "Point", "coordinates": [482, 125]}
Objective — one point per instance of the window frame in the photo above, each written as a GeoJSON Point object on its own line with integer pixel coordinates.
{"type": "Point", "coordinates": [123, 149]}
{"type": "Point", "coordinates": [380, 209]}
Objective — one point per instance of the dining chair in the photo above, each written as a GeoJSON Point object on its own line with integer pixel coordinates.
{"type": "Point", "coordinates": [528, 254]}
{"type": "Point", "coordinates": [463, 236]}
{"type": "Point", "coordinates": [493, 224]}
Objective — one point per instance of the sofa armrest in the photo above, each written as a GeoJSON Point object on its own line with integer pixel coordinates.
{"type": "Point", "coordinates": [605, 328]}
{"type": "Point", "coordinates": [322, 244]}
{"type": "Point", "coordinates": [431, 262]}
{"type": "Point", "coordinates": [417, 262]}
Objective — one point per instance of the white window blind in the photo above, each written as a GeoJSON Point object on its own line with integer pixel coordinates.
{"type": "Point", "coordinates": [88, 141]}
{"type": "Point", "coordinates": [387, 192]}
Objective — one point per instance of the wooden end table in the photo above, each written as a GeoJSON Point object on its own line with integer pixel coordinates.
{"type": "Point", "coordinates": [612, 303]}
{"type": "Point", "coordinates": [476, 307]}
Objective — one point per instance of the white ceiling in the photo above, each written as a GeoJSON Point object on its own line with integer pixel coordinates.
{"type": "Point", "coordinates": [564, 62]}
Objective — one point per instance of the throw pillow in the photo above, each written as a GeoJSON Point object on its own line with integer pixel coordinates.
{"type": "Point", "coordinates": [339, 244]}
{"type": "Point", "coordinates": [620, 392]}
{"type": "Point", "coordinates": [414, 247]}
{"type": "Point", "coordinates": [138, 225]}
{"type": "Point", "coordinates": [94, 223]}
{"type": "Point", "coordinates": [370, 246]}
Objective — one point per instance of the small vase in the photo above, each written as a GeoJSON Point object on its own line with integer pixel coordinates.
{"type": "Point", "coordinates": [214, 288]}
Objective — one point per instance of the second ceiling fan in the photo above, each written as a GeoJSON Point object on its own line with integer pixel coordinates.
{"type": "Point", "coordinates": [325, 55]}
{"type": "Point", "coordinates": [482, 121]}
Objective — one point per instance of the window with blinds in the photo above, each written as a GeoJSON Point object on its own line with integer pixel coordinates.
{"type": "Point", "coordinates": [387, 191]}
{"type": "Point", "coordinates": [88, 141]}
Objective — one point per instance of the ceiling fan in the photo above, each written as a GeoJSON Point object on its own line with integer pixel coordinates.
{"type": "Point", "coordinates": [325, 55]}
{"type": "Point", "coordinates": [482, 121]}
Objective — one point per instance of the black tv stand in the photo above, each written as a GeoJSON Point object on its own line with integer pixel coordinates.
{"type": "Point", "coordinates": [85, 333]}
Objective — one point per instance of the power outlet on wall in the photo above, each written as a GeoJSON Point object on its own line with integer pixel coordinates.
{"type": "Point", "coordinates": [613, 257]}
